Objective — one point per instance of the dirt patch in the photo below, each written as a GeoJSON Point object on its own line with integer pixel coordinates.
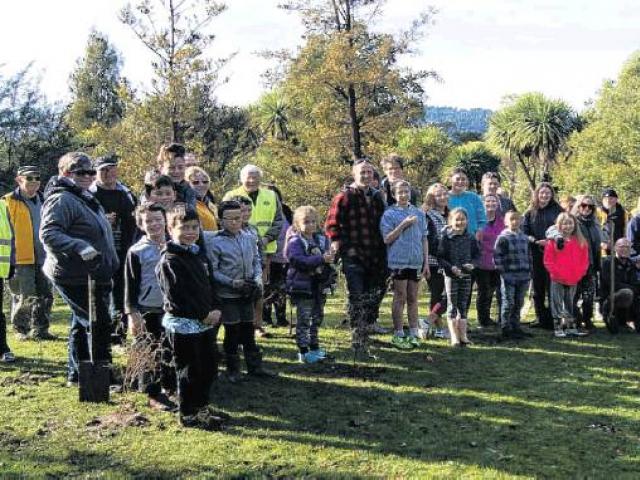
{"type": "Point", "coordinates": [117, 420]}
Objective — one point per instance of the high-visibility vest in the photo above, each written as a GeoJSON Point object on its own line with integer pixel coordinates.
{"type": "Point", "coordinates": [6, 236]}
{"type": "Point", "coordinates": [20, 218]}
{"type": "Point", "coordinates": [263, 213]}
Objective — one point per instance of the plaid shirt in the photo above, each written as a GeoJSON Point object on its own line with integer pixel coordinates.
{"type": "Point", "coordinates": [354, 220]}
{"type": "Point", "coordinates": [512, 257]}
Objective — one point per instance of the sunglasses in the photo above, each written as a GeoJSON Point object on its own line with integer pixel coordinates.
{"type": "Point", "coordinates": [32, 178]}
{"type": "Point", "coordinates": [85, 172]}
{"type": "Point", "coordinates": [587, 205]}
{"type": "Point", "coordinates": [200, 182]}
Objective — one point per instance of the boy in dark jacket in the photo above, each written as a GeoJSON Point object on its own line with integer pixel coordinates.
{"type": "Point", "coordinates": [185, 276]}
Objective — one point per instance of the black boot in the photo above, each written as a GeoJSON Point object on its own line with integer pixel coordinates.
{"type": "Point", "coordinates": [254, 365]}
{"type": "Point", "coordinates": [233, 368]}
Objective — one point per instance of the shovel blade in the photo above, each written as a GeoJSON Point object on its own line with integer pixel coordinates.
{"type": "Point", "coordinates": [93, 381]}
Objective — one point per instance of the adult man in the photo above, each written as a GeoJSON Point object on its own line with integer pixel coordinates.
{"type": "Point", "coordinates": [266, 216]}
{"type": "Point", "coordinates": [471, 202]}
{"type": "Point", "coordinates": [78, 241]}
{"type": "Point", "coordinates": [171, 163]}
{"type": "Point", "coordinates": [119, 205]}
{"type": "Point", "coordinates": [393, 167]}
{"type": "Point", "coordinates": [7, 254]}
{"type": "Point", "coordinates": [353, 226]}
{"type": "Point", "coordinates": [31, 296]}
{"type": "Point", "coordinates": [490, 186]}
{"type": "Point", "coordinates": [626, 285]}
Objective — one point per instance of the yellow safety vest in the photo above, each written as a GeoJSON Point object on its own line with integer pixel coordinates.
{"type": "Point", "coordinates": [263, 212]}
{"type": "Point", "coordinates": [6, 235]}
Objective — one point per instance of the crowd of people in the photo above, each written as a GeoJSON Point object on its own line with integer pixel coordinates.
{"type": "Point", "coordinates": [173, 266]}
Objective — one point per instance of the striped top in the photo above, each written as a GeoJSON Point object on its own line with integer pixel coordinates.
{"type": "Point", "coordinates": [406, 251]}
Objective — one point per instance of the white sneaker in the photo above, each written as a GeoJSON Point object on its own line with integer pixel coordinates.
{"type": "Point", "coordinates": [425, 328]}
{"type": "Point", "coordinates": [559, 333]}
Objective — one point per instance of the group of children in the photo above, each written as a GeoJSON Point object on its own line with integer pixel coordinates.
{"type": "Point", "coordinates": [181, 284]}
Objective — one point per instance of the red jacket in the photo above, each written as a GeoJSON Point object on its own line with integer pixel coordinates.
{"type": "Point", "coordinates": [566, 266]}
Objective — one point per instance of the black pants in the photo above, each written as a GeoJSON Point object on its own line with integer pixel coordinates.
{"type": "Point", "coordinates": [541, 289]}
{"type": "Point", "coordinates": [438, 301]}
{"type": "Point", "coordinates": [4, 347]}
{"type": "Point", "coordinates": [488, 282]}
{"type": "Point", "coordinates": [196, 365]}
{"type": "Point", "coordinates": [241, 333]}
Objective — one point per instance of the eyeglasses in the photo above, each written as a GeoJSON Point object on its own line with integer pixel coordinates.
{"type": "Point", "coordinates": [84, 172]}
{"type": "Point", "coordinates": [587, 205]}
{"type": "Point", "coordinates": [199, 182]}
{"type": "Point", "coordinates": [32, 178]}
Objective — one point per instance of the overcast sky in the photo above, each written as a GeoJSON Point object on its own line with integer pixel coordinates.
{"type": "Point", "coordinates": [482, 50]}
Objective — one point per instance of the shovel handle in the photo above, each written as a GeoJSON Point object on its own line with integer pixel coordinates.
{"type": "Point", "coordinates": [91, 287]}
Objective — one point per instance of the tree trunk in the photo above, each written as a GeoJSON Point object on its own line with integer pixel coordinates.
{"type": "Point", "coordinates": [530, 179]}
{"type": "Point", "coordinates": [355, 123]}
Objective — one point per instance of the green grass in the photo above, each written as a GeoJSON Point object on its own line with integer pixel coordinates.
{"type": "Point", "coordinates": [543, 408]}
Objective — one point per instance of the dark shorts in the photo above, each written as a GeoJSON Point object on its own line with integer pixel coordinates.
{"type": "Point", "coordinates": [405, 274]}
{"type": "Point", "coordinates": [237, 310]}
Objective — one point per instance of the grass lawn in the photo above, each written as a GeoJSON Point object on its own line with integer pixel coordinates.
{"type": "Point", "coordinates": [544, 408]}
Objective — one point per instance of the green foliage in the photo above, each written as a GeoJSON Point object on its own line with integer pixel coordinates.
{"type": "Point", "coordinates": [532, 129]}
{"type": "Point", "coordinates": [607, 151]}
{"type": "Point", "coordinates": [425, 150]}
{"type": "Point", "coordinates": [31, 130]}
{"type": "Point", "coordinates": [95, 87]}
{"type": "Point", "coordinates": [476, 158]}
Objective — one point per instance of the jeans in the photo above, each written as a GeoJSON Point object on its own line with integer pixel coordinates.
{"type": "Point", "coordinates": [116, 302]}
{"type": "Point", "coordinates": [309, 317]}
{"type": "Point", "coordinates": [77, 298]}
{"type": "Point", "coordinates": [513, 295]}
{"type": "Point", "coordinates": [366, 290]}
{"type": "Point", "coordinates": [586, 292]}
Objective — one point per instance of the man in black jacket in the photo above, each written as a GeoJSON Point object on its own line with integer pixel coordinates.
{"type": "Point", "coordinates": [119, 205]}
{"type": "Point", "coordinates": [626, 285]}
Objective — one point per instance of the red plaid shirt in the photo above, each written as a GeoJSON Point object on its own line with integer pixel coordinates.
{"type": "Point", "coordinates": [354, 220]}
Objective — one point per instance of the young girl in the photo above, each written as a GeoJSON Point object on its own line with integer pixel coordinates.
{"type": "Point", "coordinates": [457, 252]}
{"type": "Point", "coordinates": [404, 231]}
{"type": "Point", "coordinates": [309, 256]}
{"type": "Point", "coordinates": [566, 267]}
{"type": "Point", "coordinates": [436, 211]}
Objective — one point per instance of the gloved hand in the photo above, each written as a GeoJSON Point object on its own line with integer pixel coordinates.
{"type": "Point", "coordinates": [88, 253]}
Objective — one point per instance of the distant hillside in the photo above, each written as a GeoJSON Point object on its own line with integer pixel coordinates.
{"type": "Point", "coordinates": [459, 119]}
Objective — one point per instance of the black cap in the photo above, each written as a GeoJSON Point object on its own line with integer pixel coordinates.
{"type": "Point", "coordinates": [28, 169]}
{"type": "Point", "coordinates": [609, 192]}
{"type": "Point", "coordinates": [109, 160]}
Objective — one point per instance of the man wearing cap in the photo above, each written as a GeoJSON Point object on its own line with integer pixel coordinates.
{"type": "Point", "coordinates": [612, 211]}
{"type": "Point", "coordinates": [119, 205]}
{"type": "Point", "coordinates": [78, 241]}
{"type": "Point", "coordinates": [31, 297]}
{"type": "Point", "coordinates": [626, 285]}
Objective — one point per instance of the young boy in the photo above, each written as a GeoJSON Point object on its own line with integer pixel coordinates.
{"type": "Point", "coordinates": [247, 209]}
{"type": "Point", "coordinates": [143, 305]}
{"type": "Point", "coordinates": [185, 276]}
{"type": "Point", "coordinates": [162, 191]}
{"type": "Point", "coordinates": [512, 260]}
{"type": "Point", "coordinates": [238, 279]}
{"type": "Point", "coordinates": [171, 163]}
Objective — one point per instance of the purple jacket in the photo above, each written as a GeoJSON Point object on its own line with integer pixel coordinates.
{"type": "Point", "coordinates": [490, 233]}
{"type": "Point", "coordinates": [303, 262]}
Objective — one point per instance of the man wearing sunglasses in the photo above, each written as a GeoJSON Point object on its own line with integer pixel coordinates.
{"type": "Point", "coordinates": [78, 241]}
{"type": "Point", "coordinates": [119, 203]}
{"type": "Point", "coordinates": [31, 297]}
